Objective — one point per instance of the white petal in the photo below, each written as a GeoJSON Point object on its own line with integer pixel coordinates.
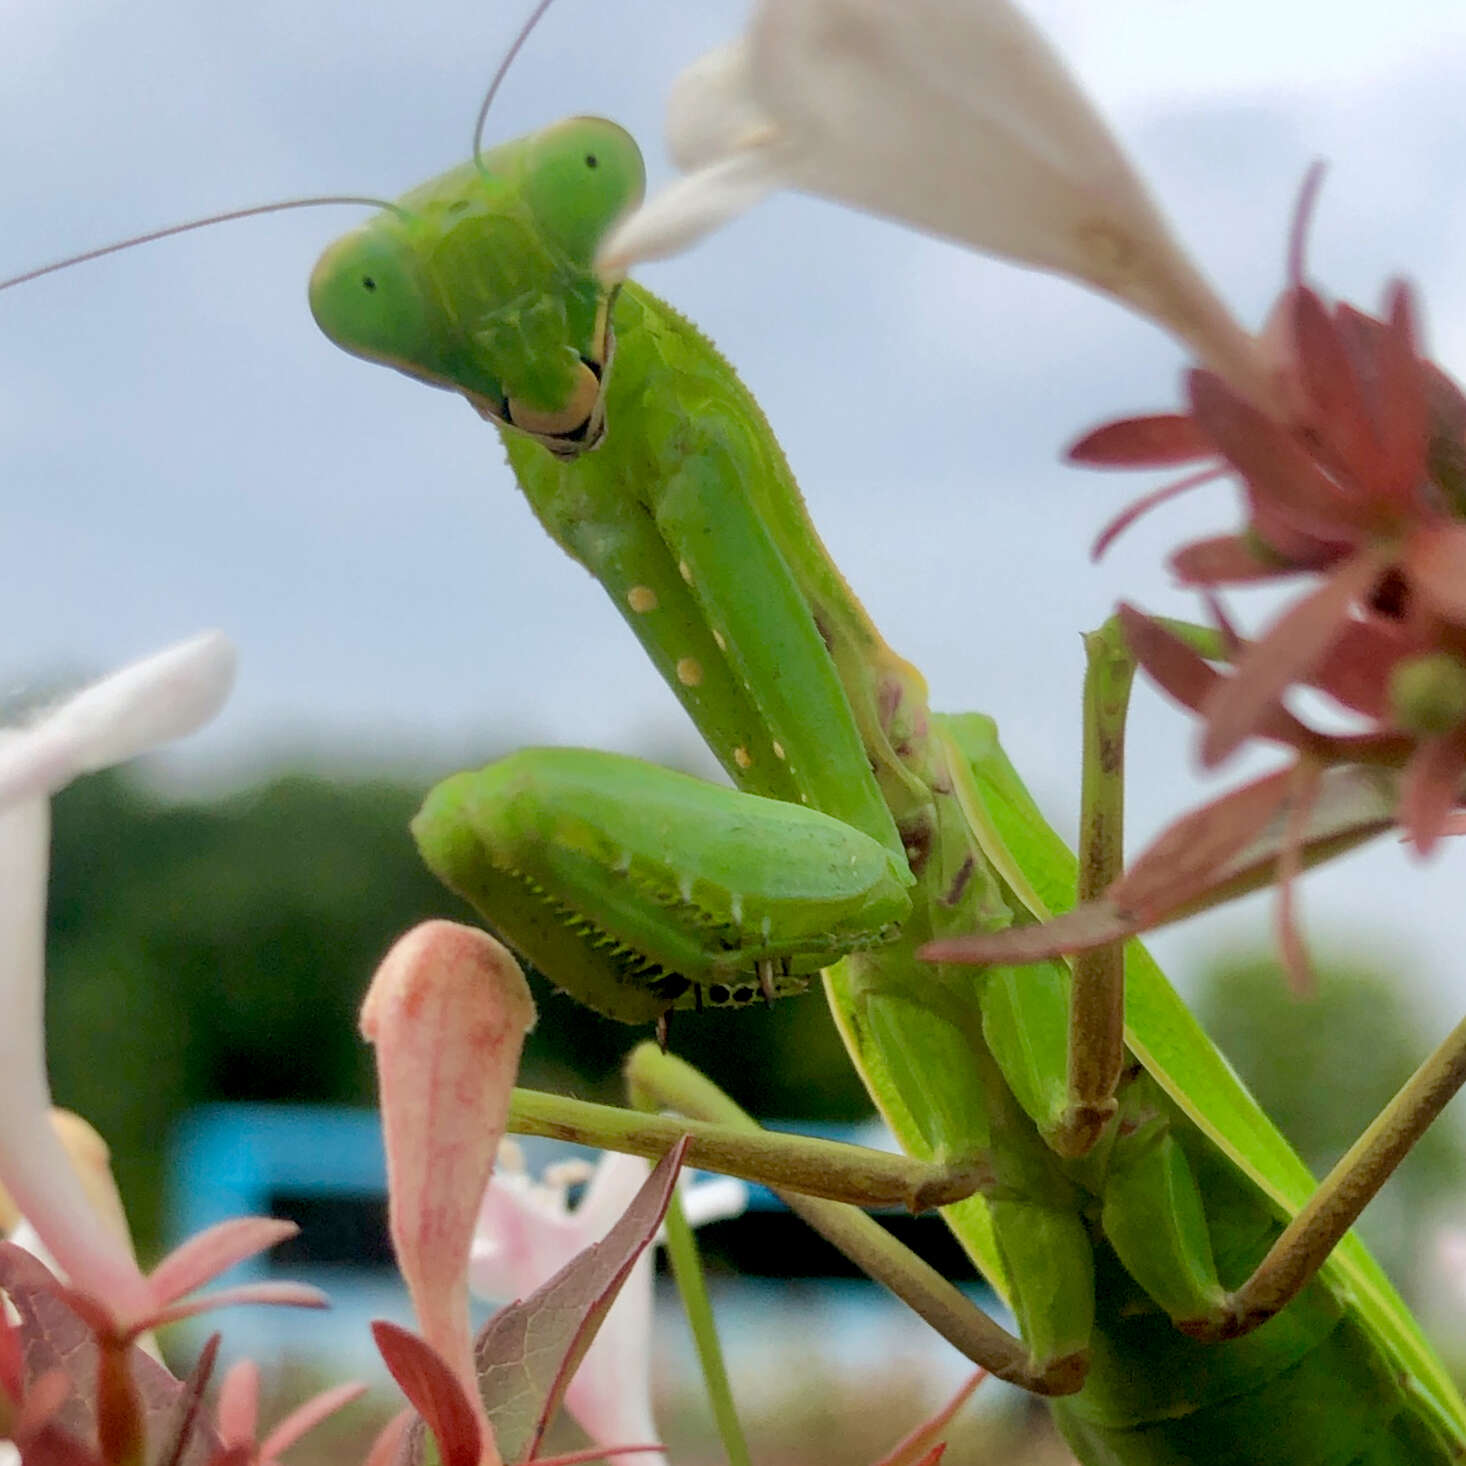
{"type": "Point", "coordinates": [959, 118]}
{"type": "Point", "coordinates": [33, 1165]}
{"type": "Point", "coordinates": [610, 1395]}
{"type": "Point", "coordinates": [955, 116]}
{"type": "Point", "coordinates": [711, 110]}
{"type": "Point", "coordinates": [142, 705]}
{"type": "Point", "coordinates": [693, 206]}
{"type": "Point", "coordinates": [519, 1242]}
{"type": "Point", "coordinates": [612, 1189]}
{"type": "Point", "coordinates": [714, 1200]}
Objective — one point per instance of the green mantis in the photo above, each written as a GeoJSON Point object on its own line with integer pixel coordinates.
{"type": "Point", "coordinates": [1122, 1202]}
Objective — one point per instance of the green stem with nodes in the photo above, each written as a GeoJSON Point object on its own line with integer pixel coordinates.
{"type": "Point", "coordinates": [824, 1168]}
{"type": "Point", "coordinates": [1097, 996]}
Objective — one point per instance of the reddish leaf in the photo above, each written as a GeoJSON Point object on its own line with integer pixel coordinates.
{"type": "Point", "coordinates": [1095, 924]}
{"type": "Point", "coordinates": [1435, 560]}
{"type": "Point", "coordinates": [1159, 441]}
{"type": "Point", "coordinates": [428, 1381]}
{"type": "Point", "coordinates": [1339, 411]}
{"type": "Point", "coordinates": [1404, 411]}
{"type": "Point", "coordinates": [202, 1257]}
{"type": "Point", "coordinates": [52, 1446]}
{"type": "Point", "coordinates": [1225, 559]}
{"type": "Point", "coordinates": [1291, 946]}
{"type": "Point", "coordinates": [527, 1353]}
{"type": "Point", "coordinates": [182, 1424]}
{"type": "Point", "coordinates": [1127, 516]}
{"type": "Point", "coordinates": [1432, 789]}
{"type": "Point", "coordinates": [922, 1446]}
{"type": "Point", "coordinates": [1289, 650]}
{"type": "Point", "coordinates": [306, 1416]}
{"type": "Point", "coordinates": [1276, 466]}
{"type": "Point", "coordinates": [55, 1338]}
{"type": "Point", "coordinates": [1185, 857]}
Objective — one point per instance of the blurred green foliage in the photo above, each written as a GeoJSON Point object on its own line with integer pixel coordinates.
{"type": "Point", "coordinates": [1324, 1066]}
{"type": "Point", "coordinates": [218, 950]}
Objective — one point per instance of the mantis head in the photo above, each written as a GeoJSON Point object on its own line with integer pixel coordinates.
{"type": "Point", "coordinates": [481, 280]}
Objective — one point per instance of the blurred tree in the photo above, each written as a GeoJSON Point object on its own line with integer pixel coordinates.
{"type": "Point", "coordinates": [217, 950]}
{"type": "Point", "coordinates": [1323, 1067]}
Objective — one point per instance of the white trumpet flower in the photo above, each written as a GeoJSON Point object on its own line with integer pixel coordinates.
{"type": "Point", "coordinates": [954, 116]}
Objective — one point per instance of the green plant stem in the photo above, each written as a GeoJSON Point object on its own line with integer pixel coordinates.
{"type": "Point", "coordinates": [825, 1168]}
{"type": "Point", "coordinates": [692, 1287]}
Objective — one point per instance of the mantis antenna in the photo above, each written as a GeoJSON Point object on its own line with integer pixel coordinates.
{"type": "Point", "coordinates": [535, 16]}
{"type": "Point", "coordinates": [249, 213]}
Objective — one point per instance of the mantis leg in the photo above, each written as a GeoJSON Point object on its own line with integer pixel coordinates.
{"type": "Point", "coordinates": [1306, 1242]}
{"type": "Point", "coordinates": [669, 1082]}
{"type": "Point", "coordinates": [1096, 1053]}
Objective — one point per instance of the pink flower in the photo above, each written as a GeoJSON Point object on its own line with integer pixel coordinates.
{"type": "Point", "coordinates": [447, 1012]}
{"type": "Point", "coordinates": [526, 1232]}
{"type": "Point", "coordinates": [1357, 483]}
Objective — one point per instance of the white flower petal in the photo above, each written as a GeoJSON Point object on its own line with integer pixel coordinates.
{"type": "Point", "coordinates": [955, 116]}
{"type": "Point", "coordinates": [33, 1164]}
{"type": "Point", "coordinates": [693, 206]}
{"type": "Point", "coordinates": [711, 109]}
{"type": "Point", "coordinates": [714, 1200]}
{"type": "Point", "coordinates": [610, 1395]}
{"type": "Point", "coordinates": [147, 703]}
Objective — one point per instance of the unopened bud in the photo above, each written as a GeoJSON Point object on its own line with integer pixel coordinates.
{"type": "Point", "coordinates": [1428, 694]}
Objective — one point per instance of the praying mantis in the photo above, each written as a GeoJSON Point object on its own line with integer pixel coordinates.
{"type": "Point", "coordinates": [1119, 1202]}
{"type": "Point", "coordinates": [1026, 868]}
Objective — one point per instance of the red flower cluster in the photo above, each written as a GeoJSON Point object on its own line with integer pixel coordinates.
{"type": "Point", "coordinates": [1353, 474]}
{"type": "Point", "coordinates": [1359, 480]}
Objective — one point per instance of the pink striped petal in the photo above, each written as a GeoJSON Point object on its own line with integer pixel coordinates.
{"type": "Point", "coordinates": [1432, 789]}
{"type": "Point", "coordinates": [306, 1417]}
{"type": "Point", "coordinates": [276, 1295]}
{"type": "Point", "coordinates": [1160, 441]}
{"type": "Point", "coordinates": [447, 1013]}
{"type": "Point", "coordinates": [213, 1251]}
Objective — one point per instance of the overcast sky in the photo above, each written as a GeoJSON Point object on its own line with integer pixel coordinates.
{"type": "Point", "coordinates": [179, 447]}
